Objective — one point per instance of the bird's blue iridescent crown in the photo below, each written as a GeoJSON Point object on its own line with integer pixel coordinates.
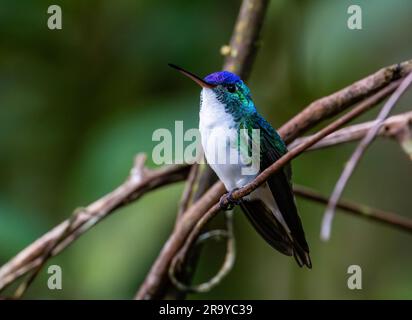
{"type": "Point", "coordinates": [222, 77]}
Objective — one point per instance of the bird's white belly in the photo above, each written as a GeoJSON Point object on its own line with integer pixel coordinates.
{"type": "Point", "coordinates": [223, 157]}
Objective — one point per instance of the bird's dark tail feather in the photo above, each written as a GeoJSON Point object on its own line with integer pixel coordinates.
{"type": "Point", "coordinates": [273, 232]}
{"type": "Point", "coordinates": [301, 256]}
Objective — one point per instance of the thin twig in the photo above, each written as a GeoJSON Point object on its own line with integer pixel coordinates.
{"type": "Point", "coordinates": [339, 101]}
{"type": "Point", "coordinates": [384, 217]}
{"type": "Point", "coordinates": [392, 127]}
{"type": "Point", "coordinates": [357, 155]}
{"type": "Point", "coordinates": [227, 263]}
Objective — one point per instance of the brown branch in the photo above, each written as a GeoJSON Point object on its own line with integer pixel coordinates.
{"type": "Point", "coordinates": [241, 52]}
{"type": "Point", "coordinates": [195, 219]}
{"type": "Point", "coordinates": [140, 181]}
{"type": "Point", "coordinates": [393, 127]}
{"type": "Point", "coordinates": [335, 103]}
{"type": "Point", "coordinates": [357, 155]}
{"type": "Point", "coordinates": [188, 191]}
{"type": "Point", "coordinates": [387, 218]}
{"type": "Point", "coordinates": [48, 252]}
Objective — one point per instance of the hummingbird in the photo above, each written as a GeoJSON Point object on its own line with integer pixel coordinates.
{"type": "Point", "coordinates": [226, 106]}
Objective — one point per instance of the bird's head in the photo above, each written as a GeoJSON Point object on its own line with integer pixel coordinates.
{"type": "Point", "coordinates": [226, 87]}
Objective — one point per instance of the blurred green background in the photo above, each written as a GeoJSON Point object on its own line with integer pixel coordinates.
{"type": "Point", "coordinates": [77, 104]}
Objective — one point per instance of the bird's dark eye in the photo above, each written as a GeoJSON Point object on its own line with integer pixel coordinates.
{"type": "Point", "coordinates": [231, 88]}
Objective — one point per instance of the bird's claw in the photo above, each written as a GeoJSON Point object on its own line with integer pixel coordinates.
{"type": "Point", "coordinates": [231, 203]}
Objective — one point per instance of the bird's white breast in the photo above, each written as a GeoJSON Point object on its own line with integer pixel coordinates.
{"type": "Point", "coordinates": [212, 112]}
{"type": "Point", "coordinates": [218, 130]}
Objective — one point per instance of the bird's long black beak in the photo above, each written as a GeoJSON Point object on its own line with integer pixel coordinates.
{"type": "Point", "coordinates": [194, 77]}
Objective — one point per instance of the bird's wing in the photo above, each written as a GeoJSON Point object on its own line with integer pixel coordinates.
{"type": "Point", "coordinates": [261, 217]}
{"type": "Point", "coordinates": [272, 148]}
